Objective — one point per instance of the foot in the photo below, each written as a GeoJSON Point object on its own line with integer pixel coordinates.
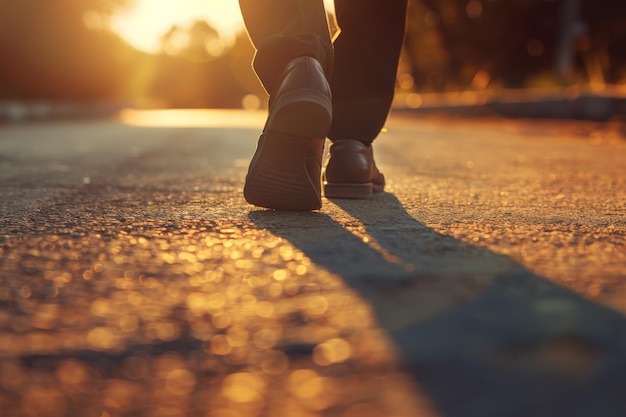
{"type": "Point", "coordinates": [351, 172]}
{"type": "Point", "coordinates": [285, 170]}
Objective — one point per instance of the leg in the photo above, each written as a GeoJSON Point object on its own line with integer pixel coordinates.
{"type": "Point", "coordinates": [282, 30]}
{"type": "Point", "coordinates": [365, 65]}
{"type": "Point", "coordinates": [367, 51]}
{"type": "Point", "coordinates": [294, 54]}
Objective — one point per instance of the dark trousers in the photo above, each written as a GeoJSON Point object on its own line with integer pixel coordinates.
{"type": "Point", "coordinates": [361, 65]}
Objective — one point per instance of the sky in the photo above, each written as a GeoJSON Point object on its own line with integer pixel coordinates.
{"type": "Point", "coordinates": [143, 24]}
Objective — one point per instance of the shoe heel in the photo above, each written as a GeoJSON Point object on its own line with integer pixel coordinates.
{"type": "Point", "coordinates": [276, 189]}
{"type": "Point", "coordinates": [352, 191]}
{"type": "Point", "coordinates": [299, 114]}
{"type": "Point", "coordinates": [278, 177]}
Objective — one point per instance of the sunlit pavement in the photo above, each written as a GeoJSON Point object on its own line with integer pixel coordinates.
{"type": "Point", "coordinates": [136, 281]}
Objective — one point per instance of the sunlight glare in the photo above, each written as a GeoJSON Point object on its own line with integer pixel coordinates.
{"type": "Point", "coordinates": [193, 118]}
{"type": "Point", "coordinates": [145, 21]}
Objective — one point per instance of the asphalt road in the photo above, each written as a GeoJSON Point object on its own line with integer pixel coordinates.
{"type": "Point", "coordinates": [488, 281]}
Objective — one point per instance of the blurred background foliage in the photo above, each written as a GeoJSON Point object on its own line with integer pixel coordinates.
{"type": "Point", "coordinates": [63, 50]}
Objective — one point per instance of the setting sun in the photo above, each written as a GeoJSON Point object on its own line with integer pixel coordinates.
{"type": "Point", "coordinates": [146, 21]}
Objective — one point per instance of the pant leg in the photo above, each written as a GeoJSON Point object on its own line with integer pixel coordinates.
{"type": "Point", "coordinates": [367, 51]}
{"type": "Point", "coordinates": [282, 30]}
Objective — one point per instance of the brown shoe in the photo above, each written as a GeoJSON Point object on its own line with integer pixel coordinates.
{"type": "Point", "coordinates": [285, 171]}
{"type": "Point", "coordinates": [351, 171]}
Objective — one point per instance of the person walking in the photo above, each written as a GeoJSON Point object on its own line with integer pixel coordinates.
{"type": "Point", "coordinates": [318, 88]}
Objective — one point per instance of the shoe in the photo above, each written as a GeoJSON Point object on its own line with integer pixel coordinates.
{"type": "Point", "coordinates": [285, 171]}
{"type": "Point", "coordinates": [351, 172]}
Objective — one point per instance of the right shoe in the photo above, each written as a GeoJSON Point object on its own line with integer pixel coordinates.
{"type": "Point", "coordinates": [351, 171]}
{"type": "Point", "coordinates": [285, 171]}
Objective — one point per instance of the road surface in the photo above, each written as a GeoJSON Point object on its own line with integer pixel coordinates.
{"type": "Point", "coordinates": [488, 281]}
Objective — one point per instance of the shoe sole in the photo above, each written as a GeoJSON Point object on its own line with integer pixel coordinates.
{"type": "Point", "coordinates": [350, 191]}
{"type": "Point", "coordinates": [278, 177]}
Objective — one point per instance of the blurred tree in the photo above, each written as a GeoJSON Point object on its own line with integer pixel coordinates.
{"type": "Point", "coordinates": [463, 44]}
{"type": "Point", "coordinates": [48, 50]}
{"type": "Point", "coordinates": [476, 44]}
{"type": "Point", "coordinates": [64, 50]}
{"type": "Point", "coordinates": [570, 27]}
{"type": "Point", "coordinates": [601, 50]}
{"type": "Point", "coordinates": [195, 69]}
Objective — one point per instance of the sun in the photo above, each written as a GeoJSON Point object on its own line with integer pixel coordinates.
{"type": "Point", "coordinates": [142, 24]}
{"type": "Point", "coordinates": [146, 21]}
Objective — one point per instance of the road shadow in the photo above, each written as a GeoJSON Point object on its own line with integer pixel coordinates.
{"type": "Point", "coordinates": [481, 334]}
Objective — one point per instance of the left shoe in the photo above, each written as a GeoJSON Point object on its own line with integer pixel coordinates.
{"type": "Point", "coordinates": [285, 171]}
{"type": "Point", "coordinates": [351, 171]}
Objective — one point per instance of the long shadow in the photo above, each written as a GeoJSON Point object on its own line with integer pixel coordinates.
{"type": "Point", "coordinates": [481, 334]}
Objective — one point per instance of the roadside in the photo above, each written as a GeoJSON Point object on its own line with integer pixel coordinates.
{"type": "Point", "coordinates": [573, 103]}
{"type": "Point", "coordinates": [606, 103]}
{"type": "Point", "coordinates": [15, 111]}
